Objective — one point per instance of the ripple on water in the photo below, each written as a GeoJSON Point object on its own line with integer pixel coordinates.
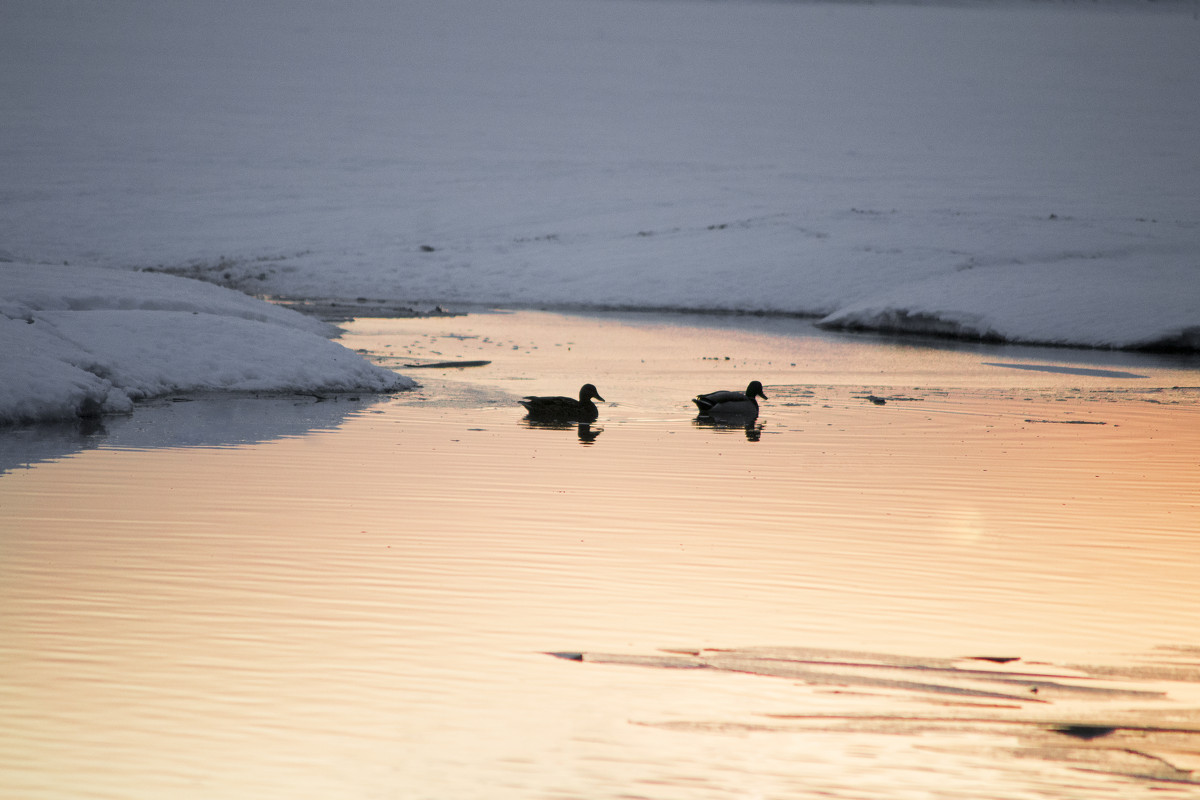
{"type": "Point", "coordinates": [363, 605]}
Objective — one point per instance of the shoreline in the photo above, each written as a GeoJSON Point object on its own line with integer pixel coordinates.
{"type": "Point", "coordinates": [915, 329]}
{"type": "Point", "coordinates": [342, 315]}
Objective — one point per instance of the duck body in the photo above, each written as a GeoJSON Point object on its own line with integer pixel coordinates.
{"type": "Point", "coordinates": [729, 403]}
{"type": "Point", "coordinates": [564, 409]}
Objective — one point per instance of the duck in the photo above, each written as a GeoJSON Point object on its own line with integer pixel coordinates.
{"type": "Point", "coordinates": [564, 409]}
{"type": "Point", "coordinates": [729, 403]}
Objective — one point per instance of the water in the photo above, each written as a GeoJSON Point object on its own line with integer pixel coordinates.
{"type": "Point", "coordinates": [356, 597]}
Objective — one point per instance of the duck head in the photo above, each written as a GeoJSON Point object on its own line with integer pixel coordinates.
{"type": "Point", "coordinates": [589, 391]}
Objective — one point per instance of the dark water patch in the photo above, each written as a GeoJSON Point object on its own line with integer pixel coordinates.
{"type": "Point", "coordinates": [1090, 372]}
{"type": "Point", "coordinates": [344, 310]}
{"type": "Point", "coordinates": [205, 420]}
{"type": "Point", "coordinates": [1085, 732]}
{"type": "Point", "coordinates": [445, 365]}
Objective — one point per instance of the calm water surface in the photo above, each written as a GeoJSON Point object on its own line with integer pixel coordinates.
{"type": "Point", "coordinates": [356, 597]}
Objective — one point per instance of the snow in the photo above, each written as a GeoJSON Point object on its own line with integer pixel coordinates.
{"type": "Point", "coordinates": [1017, 170]}
{"type": "Point", "coordinates": [81, 341]}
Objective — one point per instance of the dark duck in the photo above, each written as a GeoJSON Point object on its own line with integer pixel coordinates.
{"type": "Point", "coordinates": [729, 403]}
{"type": "Point", "coordinates": [564, 409]}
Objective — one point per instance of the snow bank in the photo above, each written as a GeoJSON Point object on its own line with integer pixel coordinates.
{"type": "Point", "coordinates": [1023, 170]}
{"type": "Point", "coordinates": [1059, 304]}
{"type": "Point", "coordinates": [80, 342]}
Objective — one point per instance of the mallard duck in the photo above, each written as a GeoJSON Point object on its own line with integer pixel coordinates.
{"type": "Point", "coordinates": [564, 409]}
{"type": "Point", "coordinates": [731, 404]}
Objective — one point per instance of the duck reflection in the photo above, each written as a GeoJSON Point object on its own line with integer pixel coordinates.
{"type": "Point", "coordinates": [752, 427]}
{"type": "Point", "coordinates": [584, 430]}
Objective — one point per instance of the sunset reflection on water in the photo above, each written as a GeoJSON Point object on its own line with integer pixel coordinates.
{"type": "Point", "coordinates": [366, 609]}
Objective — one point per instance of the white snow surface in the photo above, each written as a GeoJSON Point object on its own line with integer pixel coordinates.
{"type": "Point", "coordinates": [1019, 170]}
{"type": "Point", "coordinates": [82, 341]}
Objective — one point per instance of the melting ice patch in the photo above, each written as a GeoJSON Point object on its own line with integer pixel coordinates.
{"type": "Point", "coordinates": [81, 342]}
{"type": "Point", "coordinates": [1123, 720]}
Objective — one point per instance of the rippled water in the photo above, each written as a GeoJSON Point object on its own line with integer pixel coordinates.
{"type": "Point", "coordinates": [355, 597]}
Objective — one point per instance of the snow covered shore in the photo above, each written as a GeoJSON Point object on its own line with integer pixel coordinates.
{"type": "Point", "coordinates": [80, 342]}
{"type": "Point", "coordinates": [1018, 171]}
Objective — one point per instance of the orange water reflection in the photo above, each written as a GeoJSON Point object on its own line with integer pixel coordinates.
{"type": "Point", "coordinates": [365, 610]}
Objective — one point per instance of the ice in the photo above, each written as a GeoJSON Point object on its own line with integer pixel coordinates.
{"type": "Point", "coordinates": [1016, 171]}
{"type": "Point", "coordinates": [82, 342]}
